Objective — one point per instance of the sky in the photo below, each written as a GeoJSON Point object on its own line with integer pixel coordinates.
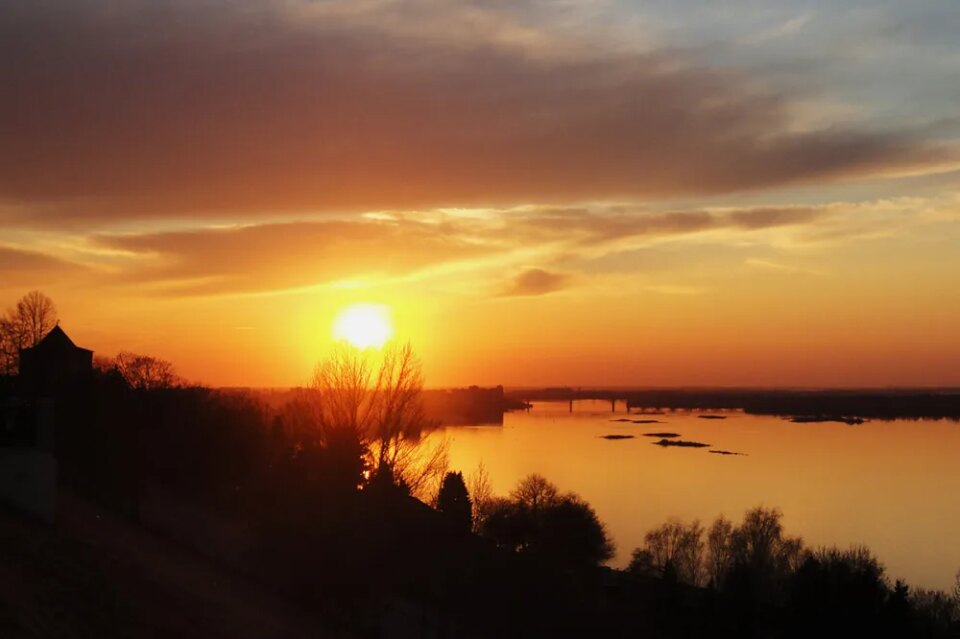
{"type": "Point", "coordinates": [747, 193]}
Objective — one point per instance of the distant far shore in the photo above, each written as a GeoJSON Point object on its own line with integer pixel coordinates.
{"type": "Point", "coordinates": [812, 405]}
{"type": "Point", "coordinates": [487, 404]}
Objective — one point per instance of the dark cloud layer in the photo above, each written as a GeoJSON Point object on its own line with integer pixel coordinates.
{"type": "Point", "coordinates": [174, 108]}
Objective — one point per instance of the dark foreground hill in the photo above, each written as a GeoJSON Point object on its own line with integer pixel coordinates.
{"type": "Point", "coordinates": [95, 575]}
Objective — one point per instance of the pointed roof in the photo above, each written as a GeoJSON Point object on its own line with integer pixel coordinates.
{"type": "Point", "coordinates": [56, 339]}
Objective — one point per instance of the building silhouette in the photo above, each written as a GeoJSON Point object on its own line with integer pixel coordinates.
{"type": "Point", "coordinates": [29, 419]}
{"type": "Point", "coordinates": [55, 359]}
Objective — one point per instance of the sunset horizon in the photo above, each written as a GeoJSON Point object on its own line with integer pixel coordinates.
{"type": "Point", "coordinates": [620, 198]}
{"type": "Point", "coordinates": [475, 318]}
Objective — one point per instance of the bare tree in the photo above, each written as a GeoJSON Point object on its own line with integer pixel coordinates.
{"type": "Point", "coordinates": [481, 492]}
{"type": "Point", "coordinates": [956, 590]}
{"type": "Point", "coordinates": [399, 422]}
{"type": "Point", "coordinates": [37, 315]}
{"type": "Point", "coordinates": [762, 550]}
{"type": "Point", "coordinates": [535, 492]}
{"type": "Point", "coordinates": [676, 548]}
{"type": "Point", "coordinates": [935, 605]}
{"type": "Point", "coordinates": [342, 385]}
{"type": "Point", "coordinates": [10, 344]}
{"type": "Point", "coordinates": [23, 326]}
{"type": "Point", "coordinates": [719, 550]}
{"type": "Point", "coordinates": [379, 398]}
{"type": "Point", "coordinates": [144, 372]}
{"type": "Point", "coordinates": [417, 463]}
{"type": "Point", "coordinates": [759, 543]}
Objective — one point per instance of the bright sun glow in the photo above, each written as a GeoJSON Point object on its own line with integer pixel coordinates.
{"type": "Point", "coordinates": [363, 325]}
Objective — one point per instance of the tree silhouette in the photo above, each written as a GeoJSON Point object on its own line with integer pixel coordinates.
{"type": "Point", "coordinates": [846, 592]}
{"type": "Point", "coordinates": [762, 556]}
{"type": "Point", "coordinates": [571, 535]}
{"type": "Point", "coordinates": [535, 492]}
{"type": "Point", "coordinates": [399, 440]}
{"type": "Point", "coordinates": [935, 609]}
{"type": "Point", "coordinates": [23, 326]}
{"type": "Point", "coordinates": [481, 493]}
{"type": "Point", "coordinates": [507, 524]}
{"type": "Point", "coordinates": [454, 501]}
{"type": "Point", "coordinates": [378, 398]}
{"type": "Point", "coordinates": [342, 461]}
{"type": "Point", "coordinates": [144, 372]}
{"type": "Point", "coordinates": [313, 459]}
{"type": "Point", "coordinates": [719, 551]}
{"type": "Point", "coordinates": [642, 563]}
{"type": "Point", "coordinates": [37, 314]}
{"type": "Point", "coordinates": [956, 589]}
{"type": "Point", "coordinates": [753, 559]}
{"type": "Point", "coordinates": [560, 529]}
{"type": "Point", "coordinates": [674, 548]}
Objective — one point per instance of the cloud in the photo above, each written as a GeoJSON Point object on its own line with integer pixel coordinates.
{"type": "Point", "coordinates": [25, 268]}
{"type": "Point", "coordinates": [768, 217]}
{"type": "Point", "coordinates": [142, 109]}
{"type": "Point", "coordinates": [266, 256]}
{"type": "Point", "coordinates": [536, 281]}
{"type": "Point", "coordinates": [458, 248]}
{"type": "Point", "coordinates": [278, 256]}
{"type": "Point", "coordinates": [616, 223]}
{"type": "Point", "coordinates": [770, 265]}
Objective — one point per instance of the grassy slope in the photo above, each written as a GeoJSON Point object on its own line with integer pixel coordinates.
{"type": "Point", "coordinates": [95, 575]}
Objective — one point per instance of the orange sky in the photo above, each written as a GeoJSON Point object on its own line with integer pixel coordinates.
{"type": "Point", "coordinates": [540, 198]}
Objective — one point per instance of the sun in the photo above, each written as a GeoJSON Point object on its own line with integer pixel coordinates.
{"type": "Point", "coordinates": [364, 325]}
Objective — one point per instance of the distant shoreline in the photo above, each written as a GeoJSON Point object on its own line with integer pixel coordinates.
{"type": "Point", "coordinates": [851, 406]}
{"type": "Point", "coordinates": [487, 405]}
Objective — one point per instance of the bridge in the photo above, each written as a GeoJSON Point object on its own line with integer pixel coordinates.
{"type": "Point", "coordinates": [637, 400]}
{"type": "Point", "coordinates": [869, 403]}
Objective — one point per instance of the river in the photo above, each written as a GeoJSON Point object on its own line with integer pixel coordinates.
{"type": "Point", "coordinates": [893, 486]}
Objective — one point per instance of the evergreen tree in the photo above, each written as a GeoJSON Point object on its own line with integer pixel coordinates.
{"type": "Point", "coordinates": [454, 501]}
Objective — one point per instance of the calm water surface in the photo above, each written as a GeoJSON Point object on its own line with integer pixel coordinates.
{"type": "Point", "coordinates": [893, 486]}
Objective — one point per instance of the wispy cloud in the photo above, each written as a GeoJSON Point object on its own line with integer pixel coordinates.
{"type": "Point", "coordinates": [618, 224]}
{"type": "Point", "coordinates": [278, 256]}
{"type": "Point", "coordinates": [770, 265]}
{"type": "Point", "coordinates": [27, 268]}
{"type": "Point", "coordinates": [481, 246]}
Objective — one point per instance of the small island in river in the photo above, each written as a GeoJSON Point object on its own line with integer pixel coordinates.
{"type": "Point", "coordinates": [815, 419]}
{"type": "Point", "coordinates": [681, 443]}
